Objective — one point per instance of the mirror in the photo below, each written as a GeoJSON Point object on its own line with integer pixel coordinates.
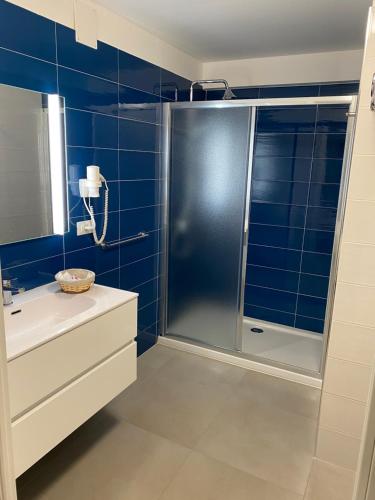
{"type": "Point", "coordinates": [33, 193]}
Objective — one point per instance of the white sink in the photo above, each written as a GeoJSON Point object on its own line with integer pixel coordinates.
{"type": "Point", "coordinates": [42, 314]}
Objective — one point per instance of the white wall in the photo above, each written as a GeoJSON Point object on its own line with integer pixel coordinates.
{"type": "Point", "coordinates": [121, 33]}
{"type": "Point", "coordinates": [351, 352]}
{"type": "Point", "coordinates": [301, 68]}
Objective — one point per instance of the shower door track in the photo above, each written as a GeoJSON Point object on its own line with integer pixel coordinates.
{"type": "Point", "coordinates": [351, 101]}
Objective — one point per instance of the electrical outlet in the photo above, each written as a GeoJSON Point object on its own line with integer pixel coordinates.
{"type": "Point", "coordinates": [84, 227]}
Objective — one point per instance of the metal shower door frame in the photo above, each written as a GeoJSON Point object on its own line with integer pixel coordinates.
{"type": "Point", "coordinates": [351, 101]}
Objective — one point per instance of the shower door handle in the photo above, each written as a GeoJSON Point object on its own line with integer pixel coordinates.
{"type": "Point", "coordinates": [245, 234]}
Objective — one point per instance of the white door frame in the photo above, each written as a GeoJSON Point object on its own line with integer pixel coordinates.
{"type": "Point", "coordinates": [7, 479]}
{"type": "Point", "coordinates": [365, 482]}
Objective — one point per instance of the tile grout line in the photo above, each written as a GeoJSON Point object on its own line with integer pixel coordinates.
{"type": "Point", "coordinates": [280, 311]}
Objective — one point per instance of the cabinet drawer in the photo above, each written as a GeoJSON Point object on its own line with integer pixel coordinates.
{"type": "Point", "coordinates": [35, 433]}
{"type": "Point", "coordinates": [39, 373]}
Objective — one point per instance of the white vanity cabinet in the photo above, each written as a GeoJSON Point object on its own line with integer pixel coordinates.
{"type": "Point", "coordinates": [57, 385]}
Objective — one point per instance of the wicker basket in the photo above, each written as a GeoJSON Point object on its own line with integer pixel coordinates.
{"type": "Point", "coordinates": [75, 280]}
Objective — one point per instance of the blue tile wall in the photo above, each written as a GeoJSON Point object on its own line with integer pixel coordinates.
{"type": "Point", "coordinates": [314, 90]}
{"type": "Point", "coordinates": [294, 193]}
{"type": "Point", "coordinates": [105, 128]}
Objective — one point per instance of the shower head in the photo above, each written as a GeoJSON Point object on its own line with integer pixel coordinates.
{"type": "Point", "coordinates": [228, 94]}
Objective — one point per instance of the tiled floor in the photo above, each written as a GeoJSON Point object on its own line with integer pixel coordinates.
{"type": "Point", "coordinates": [189, 428]}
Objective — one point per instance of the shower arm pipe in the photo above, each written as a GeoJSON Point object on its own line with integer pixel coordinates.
{"type": "Point", "coordinates": [200, 82]}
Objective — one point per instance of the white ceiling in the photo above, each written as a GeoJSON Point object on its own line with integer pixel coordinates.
{"type": "Point", "coordinates": [234, 29]}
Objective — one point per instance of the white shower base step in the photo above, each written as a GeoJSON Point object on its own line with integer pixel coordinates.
{"type": "Point", "coordinates": [283, 344]}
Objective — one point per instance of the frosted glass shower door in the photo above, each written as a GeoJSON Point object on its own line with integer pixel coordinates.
{"type": "Point", "coordinates": [209, 156]}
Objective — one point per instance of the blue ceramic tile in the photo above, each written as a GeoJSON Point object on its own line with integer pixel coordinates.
{"type": "Point", "coordinates": [278, 215]}
{"type": "Point", "coordinates": [135, 194]}
{"type": "Point", "coordinates": [94, 258]}
{"type": "Point", "coordinates": [318, 241]}
{"type": "Point", "coordinates": [138, 272]}
{"type": "Point", "coordinates": [281, 169]}
{"type": "Point", "coordinates": [316, 263]}
{"type": "Point", "coordinates": [326, 171]}
{"type": "Point", "coordinates": [111, 278]}
{"type": "Point", "coordinates": [324, 195]}
{"type": "Point", "coordinates": [265, 297]}
{"type": "Point", "coordinates": [198, 95]}
{"type": "Point", "coordinates": [139, 74]}
{"type": "Point", "coordinates": [284, 145]}
{"type": "Point", "coordinates": [138, 165]}
{"type": "Point", "coordinates": [138, 105]}
{"type": "Point", "coordinates": [310, 324]}
{"type": "Point", "coordinates": [270, 315]}
{"type": "Point", "coordinates": [321, 218]}
{"type": "Point", "coordinates": [91, 129]}
{"type": "Point", "coordinates": [272, 278]}
{"type": "Point", "coordinates": [139, 219]}
{"type": "Point", "coordinates": [76, 206]}
{"type": "Point", "coordinates": [290, 91]}
{"type": "Point", "coordinates": [36, 273]}
{"type": "Point", "coordinates": [88, 92]}
{"type": "Point", "coordinates": [102, 61]}
{"type": "Point", "coordinates": [332, 119]}
{"type": "Point", "coordinates": [26, 32]}
{"type": "Point", "coordinates": [287, 193]}
{"type": "Point", "coordinates": [147, 316]}
{"type": "Point", "coordinates": [246, 92]}
{"type": "Point", "coordinates": [26, 72]}
{"type": "Point", "coordinates": [80, 158]}
{"type": "Point", "coordinates": [138, 136]}
{"type": "Point", "coordinates": [316, 286]}
{"type": "Point", "coordinates": [174, 87]}
{"type": "Point", "coordinates": [73, 242]}
{"type": "Point", "coordinates": [148, 293]}
{"type": "Point", "coordinates": [240, 93]}
{"type": "Point", "coordinates": [286, 120]}
{"type": "Point", "coordinates": [145, 340]}
{"type": "Point", "coordinates": [22, 252]}
{"type": "Point", "coordinates": [214, 94]}
{"type": "Point", "coordinates": [339, 89]}
{"type": "Point", "coordinates": [329, 145]}
{"type": "Point", "coordinates": [140, 249]}
{"type": "Point", "coordinates": [311, 307]}
{"type": "Point", "coordinates": [274, 257]}
{"type": "Point", "coordinates": [276, 236]}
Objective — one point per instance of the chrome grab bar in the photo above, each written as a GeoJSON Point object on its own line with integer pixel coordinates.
{"type": "Point", "coordinates": [133, 239]}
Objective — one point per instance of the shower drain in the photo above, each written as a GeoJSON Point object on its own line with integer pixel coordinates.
{"type": "Point", "coordinates": [256, 330]}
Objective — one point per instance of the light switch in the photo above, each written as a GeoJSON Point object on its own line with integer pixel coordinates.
{"type": "Point", "coordinates": [84, 227]}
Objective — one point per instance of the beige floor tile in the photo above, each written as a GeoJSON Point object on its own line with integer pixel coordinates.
{"type": "Point", "coordinates": [198, 369]}
{"type": "Point", "coordinates": [328, 482]}
{"type": "Point", "coordinates": [179, 410]}
{"type": "Point", "coordinates": [289, 396]}
{"type": "Point", "coordinates": [124, 462]}
{"type": "Point", "coordinates": [260, 439]}
{"type": "Point", "coordinates": [153, 359]}
{"type": "Point", "coordinates": [202, 478]}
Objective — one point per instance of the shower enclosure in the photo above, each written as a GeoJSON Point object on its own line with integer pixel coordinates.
{"type": "Point", "coordinates": [253, 199]}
